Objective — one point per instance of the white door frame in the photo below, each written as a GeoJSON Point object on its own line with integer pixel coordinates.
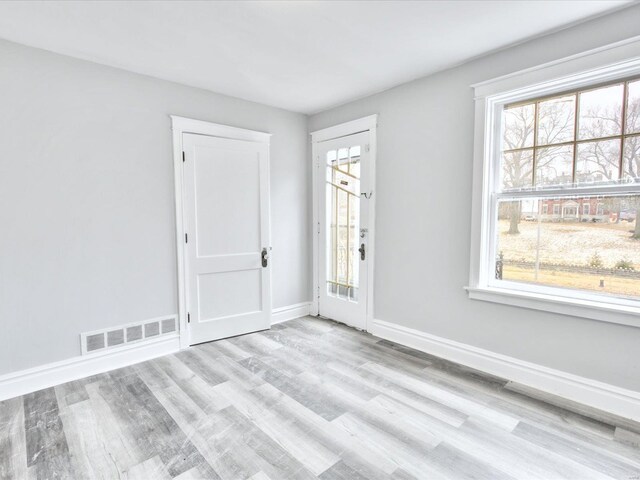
{"type": "Point", "coordinates": [181, 125]}
{"type": "Point", "coordinates": [370, 124]}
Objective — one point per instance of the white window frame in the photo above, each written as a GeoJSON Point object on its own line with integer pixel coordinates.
{"type": "Point", "coordinates": [586, 208]}
{"type": "Point", "coordinates": [618, 61]}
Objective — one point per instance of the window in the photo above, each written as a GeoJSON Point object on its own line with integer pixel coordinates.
{"type": "Point", "coordinates": [575, 142]}
{"type": "Point", "coordinates": [571, 148]}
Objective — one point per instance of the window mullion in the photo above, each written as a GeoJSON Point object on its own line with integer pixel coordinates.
{"type": "Point", "coordinates": [623, 124]}
{"type": "Point", "coordinates": [535, 144]}
{"type": "Point", "coordinates": [575, 136]}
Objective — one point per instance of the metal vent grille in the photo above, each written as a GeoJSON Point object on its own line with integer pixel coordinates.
{"type": "Point", "coordinates": [169, 325]}
{"type": "Point", "coordinates": [126, 334]}
{"type": "Point", "coordinates": [152, 329]}
{"type": "Point", "coordinates": [134, 333]}
{"type": "Point", "coordinates": [95, 342]}
{"type": "Point", "coordinates": [115, 337]}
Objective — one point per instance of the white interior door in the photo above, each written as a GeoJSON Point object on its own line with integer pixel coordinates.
{"type": "Point", "coordinates": [343, 187]}
{"type": "Point", "coordinates": [226, 214]}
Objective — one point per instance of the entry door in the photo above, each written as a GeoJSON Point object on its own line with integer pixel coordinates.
{"type": "Point", "coordinates": [226, 210]}
{"type": "Point", "coordinates": [343, 176]}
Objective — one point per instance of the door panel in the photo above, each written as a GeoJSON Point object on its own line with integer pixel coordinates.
{"type": "Point", "coordinates": [343, 187]}
{"type": "Point", "coordinates": [229, 293]}
{"type": "Point", "coordinates": [227, 223]}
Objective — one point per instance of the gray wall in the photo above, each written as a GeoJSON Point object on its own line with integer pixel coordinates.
{"type": "Point", "coordinates": [424, 171]}
{"type": "Point", "coordinates": [87, 199]}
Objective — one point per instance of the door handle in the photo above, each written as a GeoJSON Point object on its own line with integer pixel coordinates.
{"type": "Point", "coordinates": [265, 257]}
{"type": "Point", "coordinates": [362, 251]}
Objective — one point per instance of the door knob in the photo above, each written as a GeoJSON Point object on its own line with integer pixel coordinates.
{"type": "Point", "coordinates": [265, 257]}
{"type": "Point", "coordinates": [362, 251]}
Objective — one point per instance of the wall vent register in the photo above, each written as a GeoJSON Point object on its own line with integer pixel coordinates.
{"type": "Point", "coordinates": [99, 340]}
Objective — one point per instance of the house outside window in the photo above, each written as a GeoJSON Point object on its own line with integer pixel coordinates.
{"type": "Point", "coordinates": [570, 145]}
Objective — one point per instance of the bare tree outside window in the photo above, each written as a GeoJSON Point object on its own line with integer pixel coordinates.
{"type": "Point", "coordinates": [571, 143]}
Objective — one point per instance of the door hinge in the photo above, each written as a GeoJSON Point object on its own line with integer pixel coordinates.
{"type": "Point", "coordinates": [188, 318]}
{"type": "Point", "coordinates": [183, 159]}
{"type": "Point", "coordinates": [366, 147]}
{"type": "Point", "coordinates": [318, 228]}
{"type": "Point", "coordinates": [186, 238]}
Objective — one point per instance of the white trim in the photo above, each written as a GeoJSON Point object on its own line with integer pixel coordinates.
{"type": "Point", "coordinates": [576, 307]}
{"type": "Point", "coordinates": [180, 126]}
{"type": "Point", "coordinates": [290, 312]}
{"type": "Point", "coordinates": [613, 62]}
{"type": "Point", "coordinates": [344, 129]}
{"type": "Point", "coordinates": [82, 366]}
{"type": "Point", "coordinates": [603, 396]}
{"type": "Point", "coordinates": [370, 124]}
{"type": "Point", "coordinates": [615, 54]}
{"type": "Point", "coordinates": [189, 125]}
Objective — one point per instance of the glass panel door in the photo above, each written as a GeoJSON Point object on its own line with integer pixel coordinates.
{"type": "Point", "coordinates": [343, 233]}
{"type": "Point", "coordinates": [343, 205]}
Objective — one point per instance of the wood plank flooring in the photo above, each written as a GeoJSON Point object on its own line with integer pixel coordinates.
{"type": "Point", "coordinates": [308, 399]}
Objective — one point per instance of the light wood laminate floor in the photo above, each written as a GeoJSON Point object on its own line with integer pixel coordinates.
{"type": "Point", "coordinates": [308, 399]}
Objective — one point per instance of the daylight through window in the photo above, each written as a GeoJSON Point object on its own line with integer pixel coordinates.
{"type": "Point", "coordinates": [567, 198]}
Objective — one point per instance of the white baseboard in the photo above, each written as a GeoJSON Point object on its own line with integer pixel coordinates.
{"type": "Point", "coordinates": [282, 314]}
{"type": "Point", "coordinates": [595, 394]}
{"type": "Point", "coordinates": [51, 374]}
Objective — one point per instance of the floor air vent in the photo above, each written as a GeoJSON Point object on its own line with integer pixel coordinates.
{"type": "Point", "coordinates": [126, 334]}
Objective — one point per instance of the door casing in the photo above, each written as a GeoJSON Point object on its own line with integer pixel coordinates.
{"type": "Point", "coordinates": [360, 125]}
{"type": "Point", "coordinates": [180, 126]}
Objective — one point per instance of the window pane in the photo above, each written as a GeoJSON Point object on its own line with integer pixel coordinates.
{"type": "Point", "coordinates": [631, 159]}
{"type": "Point", "coordinates": [584, 243]}
{"type": "Point", "coordinates": [554, 165]}
{"type": "Point", "coordinates": [556, 120]}
{"type": "Point", "coordinates": [633, 108]}
{"type": "Point", "coordinates": [517, 169]}
{"type": "Point", "coordinates": [598, 162]}
{"type": "Point", "coordinates": [601, 112]}
{"type": "Point", "coordinates": [518, 127]}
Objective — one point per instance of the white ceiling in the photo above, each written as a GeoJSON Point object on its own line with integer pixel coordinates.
{"type": "Point", "coordinates": [304, 56]}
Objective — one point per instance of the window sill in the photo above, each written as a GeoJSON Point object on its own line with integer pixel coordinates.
{"type": "Point", "coordinates": [595, 310]}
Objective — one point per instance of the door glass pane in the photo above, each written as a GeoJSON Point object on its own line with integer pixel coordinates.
{"type": "Point", "coordinates": [343, 217]}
